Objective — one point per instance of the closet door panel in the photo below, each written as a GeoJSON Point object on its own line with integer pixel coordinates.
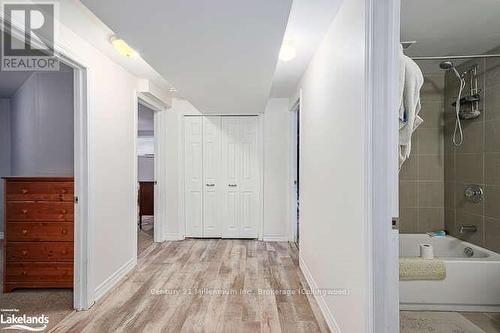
{"type": "Point", "coordinates": [211, 174]}
{"type": "Point", "coordinates": [193, 165]}
{"type": "Point", "coordinates": [249, 184]}
{"type": "Point", "coordinates": [231, 166]}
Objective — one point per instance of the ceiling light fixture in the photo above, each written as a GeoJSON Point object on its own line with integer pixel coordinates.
{"type": "Point", "coordinates": [288, 50]}
{"type": "Point", "coordinates": [122, 47]}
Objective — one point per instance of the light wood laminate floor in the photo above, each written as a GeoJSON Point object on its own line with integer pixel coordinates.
{"type": "Point", "coordinates": [206, 286]}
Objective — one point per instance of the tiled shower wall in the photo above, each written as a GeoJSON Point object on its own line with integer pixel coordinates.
{"type": "Point", "coordinates": [477, 161]}
{"type": "Point", "coordinates": [421, 178]}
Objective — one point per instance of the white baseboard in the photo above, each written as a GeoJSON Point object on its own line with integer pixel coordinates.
{"type": "Point", "coordinates": [449, 307]}
{"type": "Point", "coordinates": [330, 321]}
{"type": "Point", "coordinates": [173, 237]}
{"type": "Point", "coordinates": [113, 280]}
{"type": "Point", "coordinates": [275, 238]}
{"type": "Point", "coordinates": [1, 235]}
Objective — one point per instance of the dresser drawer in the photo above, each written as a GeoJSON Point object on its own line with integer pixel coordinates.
{"type": "Point", "coordinates": [40, 231]}
{"type": "Point", "coordinates": [39, 272]}
{"type": "Point", "coordinates": [39, 251]}
{"type": "Point", "coordinates": [47, 191]}
{"type": "Point", "coordinates": [40, 211]}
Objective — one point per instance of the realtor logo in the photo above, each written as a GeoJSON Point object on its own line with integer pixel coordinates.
{"type": "Point", "coordinates": [28, 35]}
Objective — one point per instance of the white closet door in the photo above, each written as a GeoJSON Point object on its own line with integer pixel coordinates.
{"type": "Point", "coordinates": [241, 168]}
{"type": "Point", "coordinates": [211, 176]}
{"type": "Point", "coordinates": [193, 157]}
{"type": "Point", "coordinates": [231, 165]}
{"type": "Point", "coordinates": [248, 186]}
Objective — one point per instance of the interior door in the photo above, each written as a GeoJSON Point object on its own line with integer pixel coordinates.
{"type": "Point", "coordinates": [211, 176]}
{"type": "Point", "coordinates": [193, 164]}
{"type": "Point", "coordinates": [231, 165]}
{"type": "Point", "coordinates": [241, 176]}
{"type": "Point", "coordinates": [248, 185]}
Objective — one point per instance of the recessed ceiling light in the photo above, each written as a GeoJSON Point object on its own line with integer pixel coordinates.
{"type": "Point", "coordinates": [288, 50]}
{"type": "Point", "coordinates": [122, 47]}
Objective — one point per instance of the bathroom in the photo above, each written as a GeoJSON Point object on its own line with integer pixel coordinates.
{"type": "Point", "coordinates": [451, 180]}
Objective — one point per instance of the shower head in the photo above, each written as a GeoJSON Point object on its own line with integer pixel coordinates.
{"type": "Point", "coordinates": [446, 65]}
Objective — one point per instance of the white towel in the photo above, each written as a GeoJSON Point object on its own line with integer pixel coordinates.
{"type": "Point", "coordinates": [410, 83]}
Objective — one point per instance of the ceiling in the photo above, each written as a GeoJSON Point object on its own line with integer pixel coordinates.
{"type": "Point", "coordinates": [220, 54]}
{"type": "Point", "coordinates": [449, 27]}
{"type": "Point", "coordinates": [11, 81]}
{"type": "Point", "coordinates": [306, 34]}
{"type": "Point", "coordinates": [76, 17]}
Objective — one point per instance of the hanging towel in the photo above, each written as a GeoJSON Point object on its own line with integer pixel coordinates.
{"type": "Point", "coordinates": [416, 268]}
{"type": "Point", "coordinates": [410, 83]}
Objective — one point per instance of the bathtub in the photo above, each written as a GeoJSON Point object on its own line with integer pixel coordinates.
{"type": "Point", "coordinates": [471, 284]}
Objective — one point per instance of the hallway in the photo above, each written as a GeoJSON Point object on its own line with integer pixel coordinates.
{"type": "Point", "coordinates": [206, 285]}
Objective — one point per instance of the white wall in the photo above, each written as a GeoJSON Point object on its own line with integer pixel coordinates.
{"type": "Point", "coordinates": [42, 125]}
{"type": "Point", "coordinates": [277, 170]}
{"type": "Point", "coordinates": [112, 161]}
{"type": "Point", "coordinates": [4, 151]}
{"type": "Point", "coordinates": [332, 175]}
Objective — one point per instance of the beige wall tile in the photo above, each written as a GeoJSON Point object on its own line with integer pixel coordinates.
{"type": "Point", "coordinates": [408, 220]}
{"type": "Point", "coordinates": [449, 221]}
{"type": "Point", "coordinates": [492, 102]}
{"type": "Point", "coordinates": [449, 195]}
{"type": "Point", "coordinates": [432, 112]}
{"type": "Point", "coordinates": [430, 219]}
{"type": "Point", "coordinates": [407, 194]}
{"type": "Point", "coordinates": [430, 141]}
{"type": "Point", "coordinates": [431, 195]}
{"type": "Point", "coordinates": [473, 137]}
{"type": "Point", "coordinates": [409, 169]}
{"type": "Point", "coordinates": [469, 168]}
{"type": "Point", "coordinates": [431, 167]}
{"type": "Point", "coordinates": [492, 136]}
{"type": "Point", "coordinates": [492, 169]}
{"type": "Point", "coordinates": [492, 201]}
{"type": "Point", "coordinates": [449, 167]}
{"type": "Point", "coordinates": [492, 234]}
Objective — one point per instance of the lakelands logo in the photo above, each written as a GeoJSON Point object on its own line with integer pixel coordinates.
{"type": "Point", "coordinates": [23, 322]}
{"type": "Point", "coordinates": [28, 35]}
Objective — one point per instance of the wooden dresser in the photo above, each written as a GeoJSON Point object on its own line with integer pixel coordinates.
{"type": "Point", "coordinates": [38, 251]}
{"type": "Point", "coordinates": [146, 199]}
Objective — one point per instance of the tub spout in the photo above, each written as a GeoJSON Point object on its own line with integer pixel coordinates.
{"type": "Point", "coordinates": [463, 228]}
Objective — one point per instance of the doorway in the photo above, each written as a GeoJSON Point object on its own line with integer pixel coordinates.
{"type": "Point", "coordinates": [145, 176]}
{"type": "Point", "coordinates": [295, 172]}
{"type": "Point", "coordinates": [38, 164]}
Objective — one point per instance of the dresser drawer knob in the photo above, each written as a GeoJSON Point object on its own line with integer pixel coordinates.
{"type": "Point", "coordinates": [25, 211]}
{"type": "Point", "coordinates": [64, 232]}
{"type": "Point", "coordinates": [24, 191]}
{"type": "Point", "coordinates": [64, 211]}
{"type": "Point", "coordinates": [25, 273]}
{"type": "Point", "coordinates": [25, 231]}
{"type": "Point", "coordinates": [63, 252]}
{"type": "Point", "coordinates": [24, 252]}
{"type": "Point", "coordinates": [63, 191]}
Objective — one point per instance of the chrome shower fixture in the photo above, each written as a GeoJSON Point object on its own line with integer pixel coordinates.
{"type": "Point", "coordinates": [458, 134]}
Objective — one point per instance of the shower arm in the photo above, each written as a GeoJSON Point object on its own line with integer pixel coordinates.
{"type": "Point", "coordinates": [474, 56]}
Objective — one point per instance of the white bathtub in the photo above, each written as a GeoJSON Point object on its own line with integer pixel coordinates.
{"type": "Point", "coordinates": [471, 284]}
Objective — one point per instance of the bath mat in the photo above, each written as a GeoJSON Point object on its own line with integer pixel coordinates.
{"type": "Point", "coordinates": [436, 322]}
{"type": "Point", "coordinates": [416, 268]}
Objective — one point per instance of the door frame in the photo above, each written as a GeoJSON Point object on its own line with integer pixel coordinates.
{"type": "Point", "coordinates": [181, 166]}
{"type": "Point", "coordinates": [294, 161]}
{"type": "Point", "coordinates": [160, 210]}
{"type": "Point", "coordinates": [83, 293]}
{"type": "Point", "coordinates": [381, 132]}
